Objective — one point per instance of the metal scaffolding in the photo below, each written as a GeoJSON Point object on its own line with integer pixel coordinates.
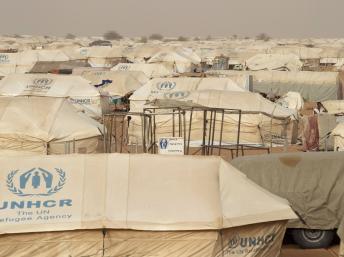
{"type": "Point", "coordinates": [116, 137]}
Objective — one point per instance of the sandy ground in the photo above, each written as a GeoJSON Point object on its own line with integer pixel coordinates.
{"type": "Point", "coordinates": [294, 251]}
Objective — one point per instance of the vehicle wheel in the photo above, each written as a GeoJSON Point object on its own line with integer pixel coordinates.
{"type": "Point", "coordinates": [313, 238]}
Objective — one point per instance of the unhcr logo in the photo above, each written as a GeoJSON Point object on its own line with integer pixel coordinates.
{"type": "Point", "coordinates": [36, 182]}
{"type": "Point", "coordinates": [244, 242]}
{"type": "Point", "coordinates": [123, 67]}
{"type": "Point", "coordinates": [166, 85]}
{"type": "Point", "coordinates": [42, 82]}
{"type": "Point", "coordinates": [4, 58]}
{"type": "Point", "coordinates": [177, 95]}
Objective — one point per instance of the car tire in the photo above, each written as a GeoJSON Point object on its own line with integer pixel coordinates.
{"type": "Point", "coordinates": [312, 238]}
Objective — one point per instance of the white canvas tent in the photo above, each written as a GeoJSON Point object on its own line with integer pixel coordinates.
{"type": "Point", "coordinates": [44, 125]}
{"type": "Point", "coordinates": [180, 59]}
{"type": "Point", "coordinates": [78, 90]}
{"type": "Point", "coordinates": [151, 70]}
{"type": "Point", "coordinates": [8, 62]}
{"type": "Point", "coordinates": [155, 205]}
{"type": "Point", "coordinates": [23, 62]}
{"type": "Point", "coordinates": [260, 119]}
{"type": "Point", "coordinates": [287, 62]}
{"type": "Point", "coordinates": [115, 83]}
{"type": "Point", "coordinates": [157, 88]}
{"type": "Point", "coordinates": [101, 56]}
{"type": "Point", "coordinates": [139, 53]}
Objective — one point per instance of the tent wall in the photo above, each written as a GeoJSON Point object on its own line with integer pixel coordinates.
{"type": "Point", "coordinates": [83, 146]}
{"type": "Point", "coordinates": [338, 143]}
{"type": "Point", "coordinates": [313, 86]}
{"type": "Point", "coordinates": [57, 244]}
{"type": "Point", "coordinates": [258, 240]}
{"type": "Point", "coordinates": [16, 145]}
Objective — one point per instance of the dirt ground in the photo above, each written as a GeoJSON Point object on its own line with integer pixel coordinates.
{"type": "Point", "coordinates": [294, 251]}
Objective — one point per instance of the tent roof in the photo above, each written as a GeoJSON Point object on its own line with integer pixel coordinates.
{"type": "Point", "coordinates": [149, 192]}
{"type": "Point", "coordinates": [274, 62]}
{"type": "Point", "coordinates": [151, 70]}
{"type": "Point", "coordinates": [247, 102]}
{"type": "Point", "coordinates": [158, 87]}
{"type": "Point", "coordinates": [44, 119]}
{"type": "Point", "coordinates": [174, 56]}
{"type": "Point", "coordinates": [46, 85]}
{"type": "Point", "coordinates": [122, 82]}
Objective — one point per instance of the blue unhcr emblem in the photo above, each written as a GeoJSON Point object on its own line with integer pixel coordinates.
{"type": "Point", "coordinates": [163, 143]}
{"type": "Point", "coordinates": [35, 182]}
{"type": "Point", "coordinates": [167, 85]}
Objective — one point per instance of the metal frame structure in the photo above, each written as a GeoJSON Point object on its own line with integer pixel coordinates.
{"type": "Point", "coordinates": [182, 118]}
{"type": "Point", "coordinates": [117, 123]}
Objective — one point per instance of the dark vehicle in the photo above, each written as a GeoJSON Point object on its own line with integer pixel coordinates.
{"type": "Point", "coordinates": [313, 183]}
{"type": "Point", "coordinates": [101, 43]}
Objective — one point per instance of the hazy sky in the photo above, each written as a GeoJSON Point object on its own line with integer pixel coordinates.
{"type": "Point", "coordinates": [278, 18]}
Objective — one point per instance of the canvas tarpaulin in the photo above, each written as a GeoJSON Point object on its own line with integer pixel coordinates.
{"type": "Point", "coordinates": [79, 91]}
{"type": "Point", "coordinates": [35, 125]}
{"type": "Point", "coordinates": [157, 88]}
{"type": "Point", "coordinates": [116, 83]}
{"type": "Point", "coordinates": [313, 86]}
{"type": "Point", "coordinates": [259, 240]}
{"type": "Point", "coordinates": [312, 182]}
{"type": "Point", "coordinates": [151, 70]}
{"type": "Point", "coordinates": [101, 56]}
{"type": "Point", "coordinates": [289, 62]}
{"type": "Point", "coordinates": [182, 60]}
{"type": "Point", "coordinates": [334, 106]}
{"type": "Point", "coordinates": [126, 192]}
{"type": "Point", "coordinates": [24, 61]}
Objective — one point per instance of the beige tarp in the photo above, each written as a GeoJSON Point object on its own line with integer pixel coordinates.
{"type": "Point", "coordinates": [36, 125]}
{"type": "Point", "coordinates": [259, 240]}
{"type": "Point", "coordinates": [79, 91]}
{"type": "Point", "coordinates": [312, 182]}
{"type": "Point", "coordinates": [184, 205]}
